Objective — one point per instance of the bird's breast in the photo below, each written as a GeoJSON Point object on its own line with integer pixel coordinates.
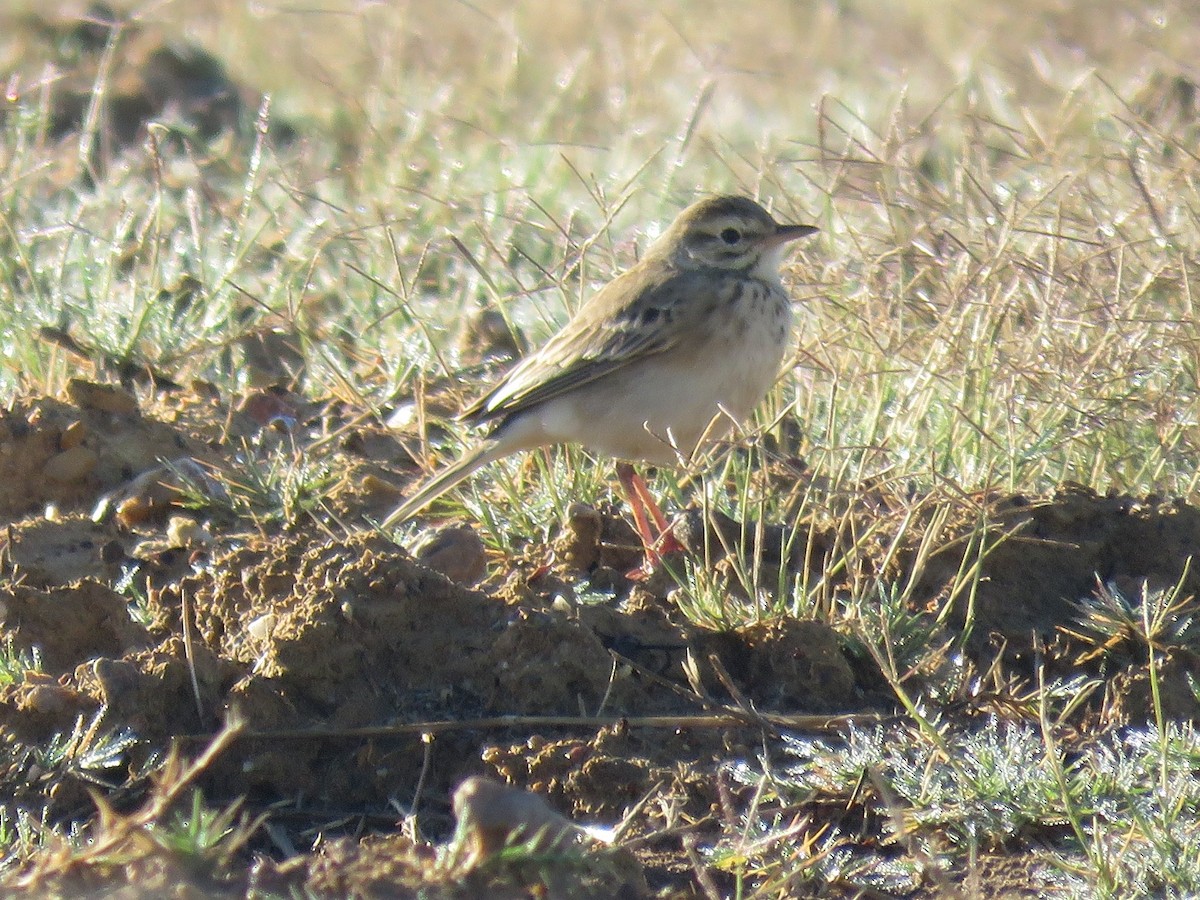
{"type": "Point", "coordinates": [663, 407]}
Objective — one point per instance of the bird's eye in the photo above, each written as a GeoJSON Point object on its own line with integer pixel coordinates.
{"type": "Point", "coordinates": [731, 235]}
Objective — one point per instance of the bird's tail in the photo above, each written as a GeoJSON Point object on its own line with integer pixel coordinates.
{"type": "Point", "coordinates": [444, 481]}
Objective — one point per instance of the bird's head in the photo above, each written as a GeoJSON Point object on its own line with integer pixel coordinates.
{"type": "Point", "coordinates": [732, 233]}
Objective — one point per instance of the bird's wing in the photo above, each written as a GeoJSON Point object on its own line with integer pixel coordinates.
{"type": "Point", "coordinates": [641, 313]}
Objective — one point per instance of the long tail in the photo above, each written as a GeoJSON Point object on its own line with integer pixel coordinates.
{"type": "Point", "coordinates": [482, 455]}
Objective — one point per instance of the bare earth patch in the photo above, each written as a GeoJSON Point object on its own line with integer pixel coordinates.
{"type": "Point", "coordinates": [333, 648]}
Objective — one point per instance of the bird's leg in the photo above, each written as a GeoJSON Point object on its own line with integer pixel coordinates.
{"type": "Point", "coordinates": [656, 541]}
{"type": "Point", "coordinates": [629, 486]}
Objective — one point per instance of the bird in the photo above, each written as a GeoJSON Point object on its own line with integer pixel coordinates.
{"type": "Point", "coordinates": [664, 359]}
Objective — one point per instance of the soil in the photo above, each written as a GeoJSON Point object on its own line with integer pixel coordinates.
{"type": "Point", "coordinates": [367, 682]}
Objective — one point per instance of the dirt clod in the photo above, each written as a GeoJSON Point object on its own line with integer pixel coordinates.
{"type": "Point", "coordinates": [1044, 557]}
{"type": "Point", "coordinates": [69, 625]}
{"type": "Point", "coordinates": [455, 551]}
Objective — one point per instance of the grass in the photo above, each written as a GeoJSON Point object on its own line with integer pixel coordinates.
{"type": "Point", "coordinates": [1001, 298]}
{"type": "Point", "coordinates": [276, 480]}
{"type": "Point", "coordinates": [16, 662]}
{"type": "Point", "coordinates": [978, 792]}
{"type": "Point", "coordinates": [977, 309]}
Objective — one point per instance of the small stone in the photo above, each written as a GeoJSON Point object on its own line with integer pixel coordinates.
{"type": "Point", "coordinates": [261, 629]}
{"type": "Point", "coordinates": [184, 531]}
{"type": "Point", "coordinates": [493, 816]}
{"type": "Point", "coordinates": [404, 415]}
{"type": "Point", "coordinates": [49, 700]}
{"type": "Point", "coordinates": [101, 397]}
{"type": "Point", "coordinates": [75, 464]}
{"type": "Point", "coordinates": [456, 551]}
{"type": "Point", "coordinates": [562, 603]}
{"type": "Point", "coordinates": [374, 486]}
{"type": "Point", "coordinates": [73, 435]}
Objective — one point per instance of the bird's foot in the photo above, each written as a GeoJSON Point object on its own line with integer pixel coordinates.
{"type": "Point", "coordinates": [658, 537]}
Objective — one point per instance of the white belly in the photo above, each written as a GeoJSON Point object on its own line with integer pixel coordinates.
{"type": "Point", "coordinates": [663, 407]}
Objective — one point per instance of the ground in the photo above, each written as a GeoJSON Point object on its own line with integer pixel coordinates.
{"type": "Point", "coordinates": [368, 683]}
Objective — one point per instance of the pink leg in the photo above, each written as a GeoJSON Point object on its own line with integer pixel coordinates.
{"type": "Point", "coordinates": [656, 541]}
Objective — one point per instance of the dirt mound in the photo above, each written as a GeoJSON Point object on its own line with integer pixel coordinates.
{"type": "Point", "coordinates": [1040, 558]}
{"type": "Point", "coordinates": [116, 76]}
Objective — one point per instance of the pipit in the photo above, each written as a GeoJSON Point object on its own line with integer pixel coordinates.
{"type": "Point", "coordinates": [664, 359]}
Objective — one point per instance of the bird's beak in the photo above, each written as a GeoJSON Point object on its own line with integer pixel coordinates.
{"type": "Point", "coordinates": [785, 233]}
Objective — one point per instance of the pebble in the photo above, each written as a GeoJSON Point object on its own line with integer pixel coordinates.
{"type": "Point", "coordinates": [493, 816]}
{"type": "Point", "coordinates": [456, 551]}
{"type": "Point", "coordinates": [73, 435]}
{"type": "Point", "coordinates": [101, 397]}
{"type": "Point", "coordinates": [75, 464]}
